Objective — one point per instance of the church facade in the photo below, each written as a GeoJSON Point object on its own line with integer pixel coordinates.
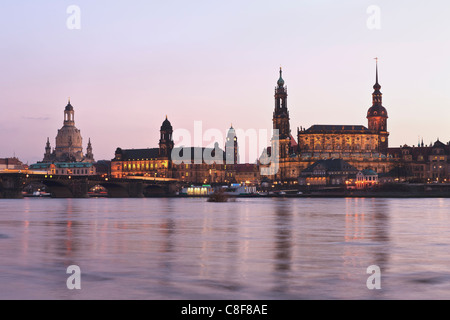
{"type": "Point", "coordinates": [362, 147]}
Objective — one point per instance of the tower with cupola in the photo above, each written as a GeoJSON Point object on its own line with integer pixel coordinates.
{"type": "Point", "coordinates": [377, 116]}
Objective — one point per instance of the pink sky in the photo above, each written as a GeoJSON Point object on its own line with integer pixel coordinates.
{"type": "Point", "coordinates": [130, 65]}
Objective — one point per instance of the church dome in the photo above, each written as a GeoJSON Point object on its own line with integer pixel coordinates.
{"type": "Point", "coordinates": [166, 125]}
{"type": "Point", "coordinates": [377, 111]}
{"type": "Point", "coordinates": [280, 81]}
{"type": "Point", "coordinates": [69, 136]}
{"type": "Point", "coordinates": [69, 107]}
{"type": "Point", "coordinates": [69, 144]}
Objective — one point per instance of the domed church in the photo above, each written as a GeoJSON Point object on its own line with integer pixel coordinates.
{"type": "Point", "coordinates": [68, 142]}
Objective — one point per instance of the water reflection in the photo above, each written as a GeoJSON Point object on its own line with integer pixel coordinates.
{"type": "Point", "coordinates": [367, 228]}
{"type": "Point", "coordinates": [250, 249]}
{"type": "Point", "coordinates": [283, 244]}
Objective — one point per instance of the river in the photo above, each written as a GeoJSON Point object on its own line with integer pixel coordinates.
{"type": "Point", "coordinates": [188, 248]}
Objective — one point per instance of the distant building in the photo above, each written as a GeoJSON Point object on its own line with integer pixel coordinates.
{"type": "Point", "coordinates": [362, 147]}
{"type": "Point", "coordinates": [11, 164]}
{"type": "Point", "coordinates": [422, 163]}
{"type": "Point", "coordinates": [65, 168]}
{"type": "Point", "coordinates": [196, 165]}
{"type": "Point", "coordinates": [332, 172]}
{"type": "Point", "coordinates": [247, 173]}
{"type": "Point", "coordinates": [103, 167]}
{"type": "Point", "coordinates": [68, 142]}
{"type": "Point", "coordinates": [366, 178]}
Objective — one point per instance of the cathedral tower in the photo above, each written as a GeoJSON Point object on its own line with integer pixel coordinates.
{"type": "Point", "coordinates": [281, 118]}
{"type": "Point", "coordinates": [377, 116]}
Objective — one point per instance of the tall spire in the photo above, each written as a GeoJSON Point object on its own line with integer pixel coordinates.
{"type": "Point", "coordinates": [376, 95]}
{"type": "Point", "coordinates": [376, 67]}
{"type": "Point", "coordinates": [376, 85]}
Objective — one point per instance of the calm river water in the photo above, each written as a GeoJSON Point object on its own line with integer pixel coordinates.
{"type": "Point", "coordinates": [248, 249]}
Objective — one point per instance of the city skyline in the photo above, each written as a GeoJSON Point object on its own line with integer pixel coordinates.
{"type": "Point", "coordinates": [125, 69]}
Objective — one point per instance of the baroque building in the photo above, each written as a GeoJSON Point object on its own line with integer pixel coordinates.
{"type": "Point", "coordinates": [149, 162]}
{"type": "Point", "coordinates": [198, 165]}
{"type": "Point", "coordinates": [69, 143]}
{"type": "Point", "coordinates": [67, 157]}
{"type": "Point", "coordinates": [422, 163]}
{"type": "Point", "coordinates": [362, 147]}
{"type": "Point", "coordinates": [323, 154]}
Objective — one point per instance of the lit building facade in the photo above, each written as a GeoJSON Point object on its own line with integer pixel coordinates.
{"type": "Point", "coordinates": [65, 168]}
{"type": "Point", "coordinates": [422, 163]}
{"type": "Point", "coordinates": [150, 162]}
{"type": "Point", "coordinates": [196, 165]}
{"type": "Point", "coordinates": [362, 147]}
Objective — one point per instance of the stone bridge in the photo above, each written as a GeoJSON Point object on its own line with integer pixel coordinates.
{"type": "Point", "coordinates": [13, 183]}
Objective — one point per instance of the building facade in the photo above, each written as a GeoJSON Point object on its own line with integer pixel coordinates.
{"type": "Point", "coordinates": [364, 147]}
{"type": "Point", "coordinates": [330, 172]}
{"type": "Point", "coordinates": [65, 168]}
{"type": "Point", "coordinates": [12, 164]}
{"type": "Point", "coordinates": [196, 165]}
{"type": "Point", "coordinates": [422, 163]}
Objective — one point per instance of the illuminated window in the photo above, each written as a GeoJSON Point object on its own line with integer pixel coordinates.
{"type": "Point", "coordinates": [187, 174]}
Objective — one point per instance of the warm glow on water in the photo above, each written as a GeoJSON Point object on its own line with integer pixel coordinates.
{"type": "Point", "coordinates": [248, 249]}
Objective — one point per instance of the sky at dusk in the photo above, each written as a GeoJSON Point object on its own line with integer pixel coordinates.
{"type": "Point", "coordinates": [131, 63]}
